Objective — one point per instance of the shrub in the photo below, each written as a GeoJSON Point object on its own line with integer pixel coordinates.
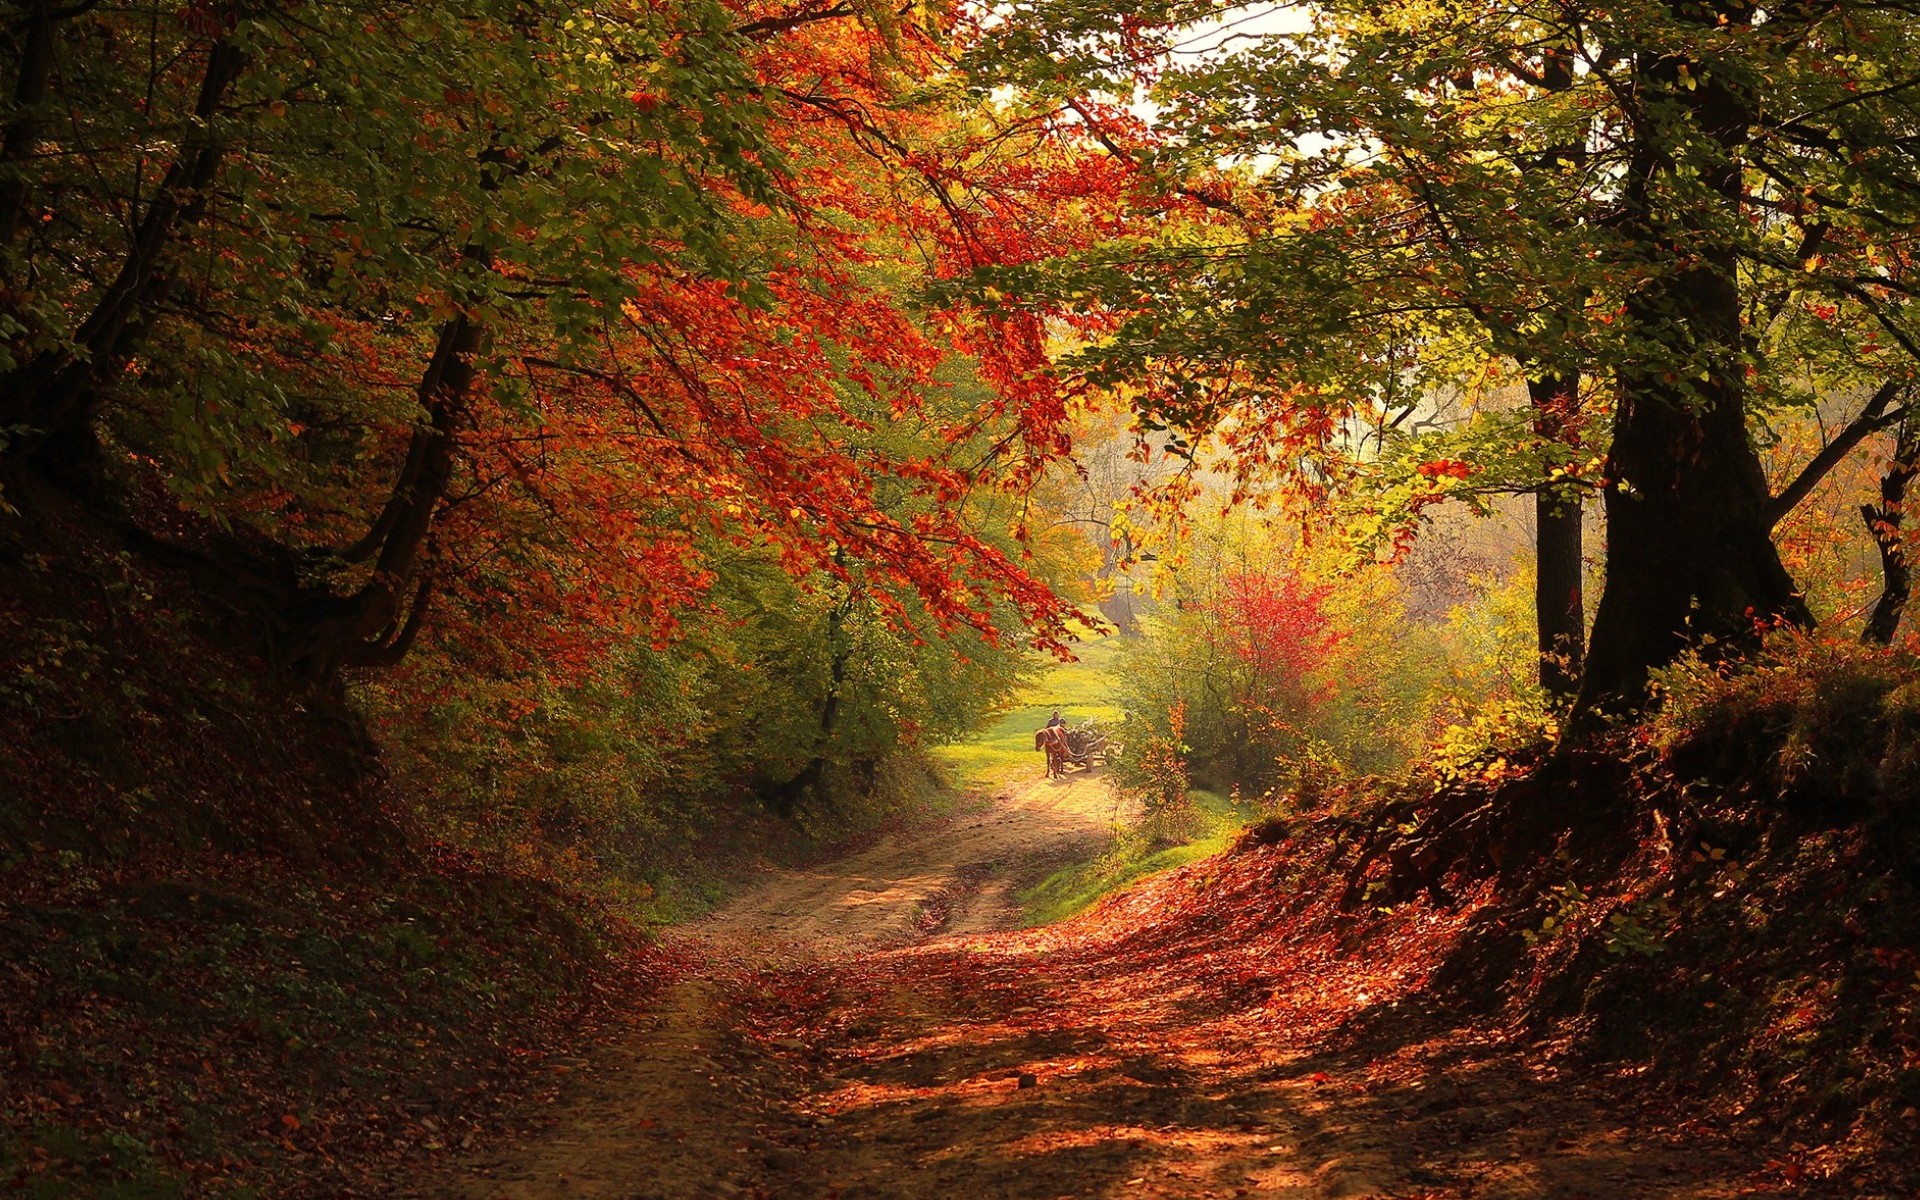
{"type": "Point", "coordinates": [1826, 726]}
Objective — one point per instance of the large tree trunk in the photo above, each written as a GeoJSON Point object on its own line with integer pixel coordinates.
{"type": "Point", "coordinates": [1690, 557]}
{"type": "Point", "coordinates": [1688, 553]}
{"type": "Point", "coordinates": [1559, 568]}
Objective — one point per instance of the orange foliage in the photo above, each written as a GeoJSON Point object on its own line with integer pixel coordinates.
{"type": "Point", "coordinates": [816, 410]}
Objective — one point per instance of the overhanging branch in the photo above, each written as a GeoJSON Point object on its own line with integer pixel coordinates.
{"type": "Point", "coordinates": [1873, 417]}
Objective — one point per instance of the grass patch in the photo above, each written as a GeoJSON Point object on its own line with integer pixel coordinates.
{"type": "Point", "coordinates": [1082, 690]}
{"type": "Point", "coordinates": [1135, 854]}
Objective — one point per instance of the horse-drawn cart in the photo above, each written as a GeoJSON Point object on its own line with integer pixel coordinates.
{"type": "Point", "coordinates": [1088, 746]}
{"type": "Point", "coordinates": [1085, 746]}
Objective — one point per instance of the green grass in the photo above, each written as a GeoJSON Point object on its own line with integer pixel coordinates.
{"type": "Point", "coordinates": [1135, 854]}
{"type": "Point", "coordinates": [1081, 690]}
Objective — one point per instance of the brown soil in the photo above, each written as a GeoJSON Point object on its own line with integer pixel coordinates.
{"type": "Point", "coordinates": [874, 1028]}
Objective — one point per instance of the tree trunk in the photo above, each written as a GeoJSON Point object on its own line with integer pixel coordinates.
{"type": "Point", "coordinates": [1559, 567]}
{"type": "Point", "coordinates": [375, 625]}
{"type": "Point", "coordinates": [55, 393]}
{"type": "Point", "coordinates": [22, 134]}
{"type": "Point", "coordinates": [1884, 522]}
{"type": "Point", "coordinates": [1690, 559]}
{"type": "Point", "coordinates": [1553, 389]}
{"type": "Point", "coordinates": [784, 798]}
{"type": "Point", "coordinates": [62, 383]}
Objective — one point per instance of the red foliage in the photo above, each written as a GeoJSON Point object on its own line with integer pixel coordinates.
{"type": "Point", "coordinates": [1446, 468]}
{"type": "Point", "coordinates": [1278, 626]}
{"type": "Point", "coordinates": [758, 420]}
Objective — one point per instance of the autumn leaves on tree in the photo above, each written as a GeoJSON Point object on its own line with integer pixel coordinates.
{"type": "Point", "coordinates": [437, 309]}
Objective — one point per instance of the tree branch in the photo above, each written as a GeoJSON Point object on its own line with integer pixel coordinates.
{"type": "Point", "coordinates": [1872, 418]}
{"type": "Point", "coordinates": [388, 651]}
{"type": "Point", "coordinates": [56, 389]}
{"type": "Point", "coordinates": [1100, 135]}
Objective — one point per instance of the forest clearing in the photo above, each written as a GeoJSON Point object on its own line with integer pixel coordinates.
{"type": "Point", "coordinates": [826, 598]}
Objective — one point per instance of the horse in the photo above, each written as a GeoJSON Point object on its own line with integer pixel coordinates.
{"type": "Point", "coordinates": [1053, 739]}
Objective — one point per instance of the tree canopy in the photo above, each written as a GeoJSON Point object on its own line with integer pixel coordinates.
{"type": "Point", "coordinates": [374, 320]}
{"type": "Point", "coordinates": [1669, 220]}
{"type": "Point", "coordinates": [524, 307]}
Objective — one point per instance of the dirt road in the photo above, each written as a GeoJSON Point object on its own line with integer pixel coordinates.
{"type": "Point", "coordinates": [690, 1104]}
{"type": "Point", "coordinates": [961, 875]}
{"type": "Point", "coordinates": [861, 1032]}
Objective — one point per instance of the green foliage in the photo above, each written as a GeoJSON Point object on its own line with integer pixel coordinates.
{"type": "Point", "coordinates": [1384, 219]}
{"type": "Point", "coordinates": [613, 777]}
{"type": "Point", "coordinates": [1155, 763]}
{"type": "Point", "coordinates": [1418, 188]}
{"type": "Point", "coordinates": [357, 192]}
{"type": "Point", "coordinates": [1569, 903]}
{"type": "Point", "coordinates": [1824, 725]}
{"type": "Point", "coordinates": [1633, 927]}
{"type": "Point", "coordinates": [1229, 683]}
{"type": "Point", "coordinates": [1640, 926]}
{"type": "Point", "coordinates": [1210, 823]}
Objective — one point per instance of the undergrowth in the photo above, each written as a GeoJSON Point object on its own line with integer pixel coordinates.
{"type": "Point", "coordinates": [231, 963]}
{"type": "Point", "coordinates": [245, 1028]}
{"type": "Point", "coordinates": [1722, 902]}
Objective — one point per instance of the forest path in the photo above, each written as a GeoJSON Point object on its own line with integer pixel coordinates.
{"type": "Point", "coordinates": [960, 875]}
{"type": "Point", "coordinates": [859, 1031]}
